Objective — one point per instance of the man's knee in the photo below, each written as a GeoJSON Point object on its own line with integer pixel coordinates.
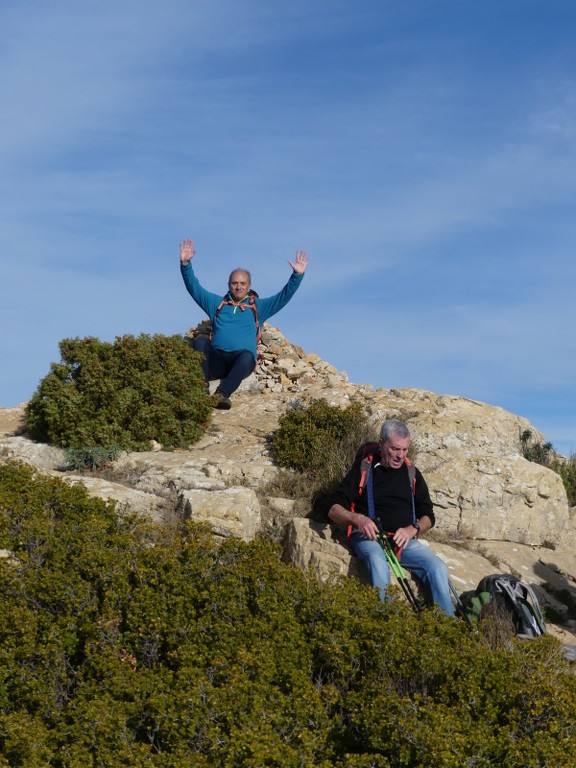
{"type": "Point", "coordinates": [245, 363]}
{"type": "Point", "coordinates": [245, 357]}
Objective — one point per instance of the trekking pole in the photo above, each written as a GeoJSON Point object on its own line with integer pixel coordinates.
{"type": "Point", "coordinates": [460, 610]}
{"type": "Point", "coordinates": [398, 571]}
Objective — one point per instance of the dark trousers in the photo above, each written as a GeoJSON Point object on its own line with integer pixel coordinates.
{"type": "Point", "coordinates": [230, 367]}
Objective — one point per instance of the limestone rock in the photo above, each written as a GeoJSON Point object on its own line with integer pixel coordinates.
{"type": "Point", "coordinates": [505, 498]}
{"type": "Point", "coordinates": [127, 499]}
{"type": "Point", "coordinates": [12, 420]}
{"type": "Point", "coordinates": [446, 426]}
{"type": "Point", "coordinates": [45, 457]}
{"type": "Point", "coordinates": [233, 512]}
{"type": "Point", "coordinates": [308, 544]}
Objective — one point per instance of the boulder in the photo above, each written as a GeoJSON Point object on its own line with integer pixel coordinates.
{"type": "Point", "coordinates": [233, 512]}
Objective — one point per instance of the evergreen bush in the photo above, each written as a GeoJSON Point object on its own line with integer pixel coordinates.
{"type": "Point", "coordinates": [539, 453]}
{"type": "Point", "coordinates": [125, 393]}
{"type": "Point", "coordinates": [567, 471]}
{"type": "Point", "coordinates": [125, 643]}
{"type": "Point", "coordinates": [308, 436]}
{"type": "Point", "coordinates": [317, 444]}
{"type": "Point", "coordinates": [544, 453]}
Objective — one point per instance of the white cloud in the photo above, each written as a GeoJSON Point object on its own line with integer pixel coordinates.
{"type": "Point", "coordinates": [428, 170]}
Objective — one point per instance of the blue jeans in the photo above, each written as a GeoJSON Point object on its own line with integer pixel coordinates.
{"type": "Point", "coordinates": [428, 568]}
{"type": "Point", "coordinates": [230, 367]}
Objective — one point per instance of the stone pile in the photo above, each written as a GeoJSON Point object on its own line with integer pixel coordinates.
{"type": "Point", "coordinates": [281, 366]}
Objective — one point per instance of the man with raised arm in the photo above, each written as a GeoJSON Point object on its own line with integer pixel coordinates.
{"type": "Point", "coordinates": [392, 505]}
{"type": "Point", "coordinates": [231, 353]}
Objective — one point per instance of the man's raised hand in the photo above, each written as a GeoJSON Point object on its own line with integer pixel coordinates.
{"type": "Point", "coordinates": [301, 262]}
{"type": "Point", "coordinates": [187, 251]}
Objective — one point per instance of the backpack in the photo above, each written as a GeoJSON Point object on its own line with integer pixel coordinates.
{"type": "Point", "coordinates": [512, 598]}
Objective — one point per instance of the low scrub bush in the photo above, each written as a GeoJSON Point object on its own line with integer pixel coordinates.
{"type": "Point", "coordinates": [567, 471]}
{"type": "Point", "coordinates": [95, 458]}
{"type": "Point", "coordinates": [125, 393]}
{"type": "Point", "coordinates": [319, 441]}
{"type": "Point", "coordinates": [124, 643]}
{"type": "Point", "coordinates": [543, 453]}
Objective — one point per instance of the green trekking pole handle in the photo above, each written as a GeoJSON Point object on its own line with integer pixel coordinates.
{"type": "Point", "coordinates": [397, 569]}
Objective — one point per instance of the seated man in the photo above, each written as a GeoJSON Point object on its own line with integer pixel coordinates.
{"type": "Point", "coordinates": [400, 509]}
{"type": "Point", "coordinates": [231, 353]}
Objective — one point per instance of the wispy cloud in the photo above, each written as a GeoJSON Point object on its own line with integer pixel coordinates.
{"type": "Point", "coordinates": [423, 156]}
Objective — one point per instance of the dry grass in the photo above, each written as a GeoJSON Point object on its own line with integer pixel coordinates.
{"type": "Point", "coordinates": [496, 628]}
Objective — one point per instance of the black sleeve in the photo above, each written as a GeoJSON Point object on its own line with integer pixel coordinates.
{"type": "Point", "coordinates": [422, 500]}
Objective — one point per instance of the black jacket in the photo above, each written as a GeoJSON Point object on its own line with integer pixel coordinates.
{"type": "Point", "coordinates": [392, 495]}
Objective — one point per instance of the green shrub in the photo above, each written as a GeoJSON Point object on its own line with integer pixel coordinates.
{"type": "Point", "coordinates": [94, 458]}
{"type": "Point", "coordinates": [124, 643]}
{"type": "Point", "coordinates": [308, 435]}
{"type": "Point", "coordinates": [127, 394]}
{"type": "Point", "coordinates": [319, 441]}
{"type": "Point", "coordinates": [543, 453]}
{"type": "Point", "coordinates": [539, 453]}
{"type": "Point", "coordinates": [567, 471]}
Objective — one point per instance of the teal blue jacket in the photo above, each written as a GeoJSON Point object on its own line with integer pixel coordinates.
{"type": "Point", "coordinates": [234, 328]}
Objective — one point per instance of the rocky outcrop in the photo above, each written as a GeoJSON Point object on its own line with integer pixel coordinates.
{"type": "Point", "coordinates": [495, 510]}
{"type": "Point", "coordinates": [506, 498]}
{"type": "Point", "coordinates": [231, 512]}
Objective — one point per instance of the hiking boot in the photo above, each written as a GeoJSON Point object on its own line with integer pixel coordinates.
{"type": "Point", "coordinates": [225, 403]}
{"type": "Point", "coordinates": [219, 400]}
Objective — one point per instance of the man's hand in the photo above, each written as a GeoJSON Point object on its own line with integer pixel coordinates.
{"type": "Point", "coordinates": [366, 526]}
{"type": "Point", "coordinates": [187, 251]}
{"type": "Point", "coordinates": [404, 535]}
{"type": "Point", "coordinates": [342, 516]}
{"type": "Point", "coordinates": [302, 261]}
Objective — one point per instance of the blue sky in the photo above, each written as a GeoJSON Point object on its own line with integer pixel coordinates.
{"type": "Point", "coordinates": [423, 153]}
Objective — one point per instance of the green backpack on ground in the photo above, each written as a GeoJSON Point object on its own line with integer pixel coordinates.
{"type": "Point", "coordinates": [512, 598]}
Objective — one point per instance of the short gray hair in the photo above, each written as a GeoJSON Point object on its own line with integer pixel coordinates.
{"type": "Point", "coordinates": [240, 269]}
{"type": "Point", "coordinates": [393, 427]}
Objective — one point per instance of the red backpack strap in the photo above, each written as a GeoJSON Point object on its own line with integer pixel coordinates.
{"type": "Point", "coordinates": [251, 296]}
{"type": "Point", "coordinates": [252, 305]}
{"type": "Point", "coordinates": [368, 451]}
